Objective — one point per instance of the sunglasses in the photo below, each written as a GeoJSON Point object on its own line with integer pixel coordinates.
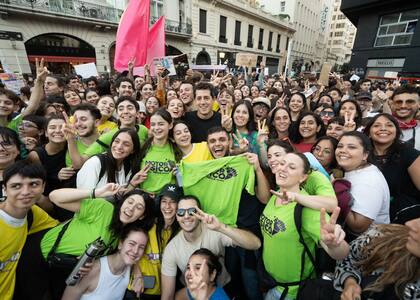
{"type": "Point", "coordinates": [181, 211]}
{"type": "Point", "coordinates": [326, 113]}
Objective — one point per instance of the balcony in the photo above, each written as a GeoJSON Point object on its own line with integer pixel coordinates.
{"type": "Point", "coordinates": [78, 9]}
{"type": "Point", "coordinates": [176, 28]}
{"type": "Point", "coordinates": [85, 11]}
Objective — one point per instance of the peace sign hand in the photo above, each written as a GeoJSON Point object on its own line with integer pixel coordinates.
{"type": "Point", "coordinates": [131, 63]}
{"type": "Point", "coordinates": [262, 136]}
{"type": "Point", "coordinates": [108, 189]}
{"type": "Point", "coordinates": [41, 70]}
{"type": "Point", "coordinates": [195, 281]}
{"type": "Point", "coordinates": [227, 122]}
{"type": "Point", "coordinates": [331, 233]}
{"type": "Point", "coordinates": [211, 221]}
{"type": "Point", "coordinates": [242, 142]}
{"type": "Point", "coordinates": [349, 124]}
{"type": "Point", "coordinates": [69, 129]}
{"type": "Point", "coordinates": [140, 176]}
{"type": "Point", "coordinates": [281, 102]}
{"type": "Point", "coordinates": [284, 197]}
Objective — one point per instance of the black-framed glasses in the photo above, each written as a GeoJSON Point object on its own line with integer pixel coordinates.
{"type": "Point", "coordinates": [27, 125]}
{"type": "Point", "coordinates": [181, 211]}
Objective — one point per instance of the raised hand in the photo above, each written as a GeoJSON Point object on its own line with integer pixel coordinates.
{"type": "Point", "coordinates": [281, 102]}
{"type": "Point", "coordinates": [252, 160]}
{"type": "Point", "coordinates": [349, 124]}
{"type": "Point", "coordinates": [331, 233]}
{"type": "Point", "coordinates": [211, 221]}
{"type": "Point", "coordinates": [262, 136]}
{"type": "Point", "coordinates": [196, 283]}
{"type": "Point", "coordinates": [30, 143]}
{"type": "Point", "coordinates": [140, 176]}
{"type": "Point", "coordinates": [227, 121]}
{"type": "Point", "coordinates": [41, 70]}
{"type": "Point", "coordinates": [69, 128]}
{"type": "Point", "coordinates": [66, 173]}
{"type": "Point", "coordinates": [131, 63]}
{"type": "Point", "coordinates": [284, 197]}
{"type": "Point", "coordinates": [108, 189]}
{"type": "Point", "coordinates": [243, 143]}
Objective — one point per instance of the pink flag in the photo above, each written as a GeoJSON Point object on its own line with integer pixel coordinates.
{"type": "Point", "coordinates": [132, 35]}
{"type": "Point", "coordinates": [156, 43]}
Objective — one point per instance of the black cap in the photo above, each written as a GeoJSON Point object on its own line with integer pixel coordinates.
{"type": "Point", "coordinates": [364, 96]}
{"type": "Point", "coordinates": [172, 191]}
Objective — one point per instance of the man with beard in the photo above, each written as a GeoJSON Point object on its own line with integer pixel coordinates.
{"type": "Point", "coordinates": [405, 103]}
{"type": "Point", "coordinates": [198, 230]}
{"type": "Point", "coordinates": [124, 87]}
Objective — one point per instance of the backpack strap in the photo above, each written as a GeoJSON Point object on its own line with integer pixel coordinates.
{"type": "Point", "coordinates": [29, 219]}
{"type": "Point", "coordinates": [298, 223]}
{"type": "Point", "coordinates": [58, 239]}
{"type": "Point", "coordinates": [102, 144]}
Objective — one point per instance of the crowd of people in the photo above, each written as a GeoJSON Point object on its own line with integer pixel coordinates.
{"type": "Point", "coordinates": [209, 186]}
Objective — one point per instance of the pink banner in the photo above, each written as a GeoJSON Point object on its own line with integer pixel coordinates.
{"type": "Point", "coordinates": [156, 43]}
{"type": "Point", "coordinates": [132, 35]}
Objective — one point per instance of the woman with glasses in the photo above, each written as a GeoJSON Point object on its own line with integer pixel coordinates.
{"type": "Point", "coordinates": [326, 112]}
{"type": "Point", "coordinates": [31, 131]}
{"type": "Point", "coordinates": [9, 153]}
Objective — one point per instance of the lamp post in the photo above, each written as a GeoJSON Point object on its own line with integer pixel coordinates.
{"type": "Point", "coordinates": [221, 57]}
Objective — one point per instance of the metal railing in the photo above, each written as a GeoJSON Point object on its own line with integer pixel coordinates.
{"type": "Point", "coordinates": [68, 8]}
{"type": "Point", "coordinates": [86, 10]}
{"type": "Point", "coordinates": [175, 27]}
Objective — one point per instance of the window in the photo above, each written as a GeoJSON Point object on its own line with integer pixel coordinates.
{"type": "Point", "coordinates": [340, 25]}
{"type": "Point", "coordinates": [222, 31]}
{"type": "Point", "coordinates": [203, 21]}
{"type": "Point", "coordinates": [237, 33]}
{"type": "Point", "coordinates": [339, 33]}
{"type": "Point", "coordinates": [270, 41]}
{"type": "Point", "coordinates": [250, 43]}
{"type": "Point", "coordinates": [156, 8]}
{"type": "Point", "coordinates": [341, 17]}
{"type": "Point", "coordinates": [278, 43]}
{"type": "Point", "coordinates": [282, 6]}
{"type": "Point", "coordinates": [261, 39]}
{"type": "Point", "coordinates": [397, 29]}
{"type": "Point", "coordinates": [334, 17]}
{"type": "Point", "coordinates": [287, 44]}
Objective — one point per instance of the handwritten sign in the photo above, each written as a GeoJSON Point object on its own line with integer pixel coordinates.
{"type": "Point", "coordinates": [86, 70]}
{"type": "Point", "coordinates": [246, 59]}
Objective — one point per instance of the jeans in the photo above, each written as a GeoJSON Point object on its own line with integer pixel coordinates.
{"type": "Point", "coordinates": [242, 275]}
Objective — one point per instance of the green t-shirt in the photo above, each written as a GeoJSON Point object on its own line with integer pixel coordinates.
{"type": "Point", "coordinates": [218, 184]}
{"type": "Point", "coordinates": [318, 185]}
{"type": "Point", "coordinates": [15, 122]}
{"type": "Point", "coordinates": [103, 142]}
{"type": "Point", "coordinates": [81, 148]}
{"type": "Point", "coordinates": [160, 173]}
{"type": "Point", "coordinates": [282, 249]}
{"type": "Point", "coordinates": [87, 225]}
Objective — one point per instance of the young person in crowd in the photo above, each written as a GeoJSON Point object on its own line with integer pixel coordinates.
{"type": "Point", "coordinates": [310, 128]}
{"type": "Point", "coordinates": [324, 152]}
{"type": "Point", "coordinates": [398, 162]}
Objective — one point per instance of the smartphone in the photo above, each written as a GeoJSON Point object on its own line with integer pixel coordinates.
{"type": "Point", "coordinates": [149, 282]}
{"type": "Point", "coordinates": [165, 73]}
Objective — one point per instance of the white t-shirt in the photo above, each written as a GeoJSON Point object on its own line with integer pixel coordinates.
{"type": "Point", "coordinates": [178, 252]}
{"type": "Point", "coordinates": [371, 194]}
{"type": "Point", "coordinates": [88, 176]}
{"type": "Point", "coordinates": [407, 134]}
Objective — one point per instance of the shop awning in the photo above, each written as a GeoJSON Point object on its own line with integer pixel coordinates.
{"type": "Point", "coordinates": [66, 59]}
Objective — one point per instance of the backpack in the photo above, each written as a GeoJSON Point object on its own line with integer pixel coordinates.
{"type": "Point", "coordinates": [29, 219]}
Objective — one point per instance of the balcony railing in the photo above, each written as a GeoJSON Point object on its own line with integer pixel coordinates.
{"type": "Point", "coordinates": [68, 8]}
{"type": "Point", "coordinates": [85, 10]}
{"type": "Point", "coordinates": [175, 27]}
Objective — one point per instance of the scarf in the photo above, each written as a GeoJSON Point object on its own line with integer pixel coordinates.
{"type": "Point", "coordinates": [405, 125]}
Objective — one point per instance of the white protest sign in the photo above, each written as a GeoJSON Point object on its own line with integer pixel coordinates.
{"type": "Point", "coordinates": [391, 74]}
{"type": "Point", "coordinates": [354, 77]}
{"type": "Point", "coordinates": [86, 70]}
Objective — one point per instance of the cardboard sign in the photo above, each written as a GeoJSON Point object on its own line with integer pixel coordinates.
{"type": "Point", "coordinates": [12, 82]}
{"type": "Point", "coordinates": [246, 59]}
{"type": "Point", "coordinates": [325, 73]}
{"type": "Point", "coordinates": [391, 74]}
{"type": "Point", "coordinates": [354, 77]}
{"type": "Point", "coordinates": [86, 70]}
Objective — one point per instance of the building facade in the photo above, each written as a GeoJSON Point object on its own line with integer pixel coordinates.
{"type": "Point", "coordinates": [311, 20]}
{"type": "Point", "coordinates": [341, 37]}
{"type": "Point", "coordinates": [387, 39]}
{"type": "Point", "coordinates": [67, 32]}
{"type": "Point", "coordinates": [223, 28]}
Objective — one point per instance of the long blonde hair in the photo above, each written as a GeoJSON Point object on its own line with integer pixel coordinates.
{"type": "Point", "coordinates": [388, 252]}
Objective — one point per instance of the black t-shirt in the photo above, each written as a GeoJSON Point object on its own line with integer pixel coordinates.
{"type": "Point", "coordinates": [394, 167]}
{"type": "Point", "coordinates": [199, 126]}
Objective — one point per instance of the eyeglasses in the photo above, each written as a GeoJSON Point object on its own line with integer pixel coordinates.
{"type": "Point", "coordinates": [181, 211]}
{"type": "Point", "coordinates": [27, 125]}
{"type": "Point", "coordinates": [326, 114]}
{"type": "Point", "coordinates": [7, 145]}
